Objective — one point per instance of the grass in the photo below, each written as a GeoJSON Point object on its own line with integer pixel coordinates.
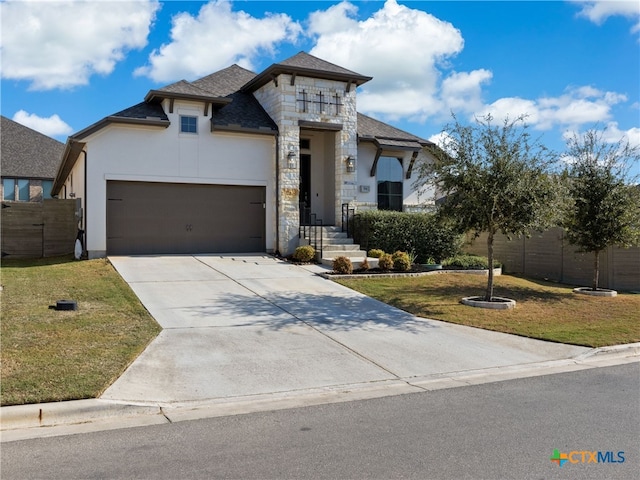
{"type": "Point", "coordinates": [544, 310]}
{"type": "Point", "coordinates": [50, 355]}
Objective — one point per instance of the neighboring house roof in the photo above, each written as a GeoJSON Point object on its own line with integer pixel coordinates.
{"type": "Point", "coordinates": [26, 153]}
{"type": "Point", "coordinates": [306, 65]}
{"type": "Point", "coordinates": [387, 136]}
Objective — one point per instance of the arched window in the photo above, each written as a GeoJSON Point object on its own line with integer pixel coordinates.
{"type": "Point", "coordinates": [389, 176]}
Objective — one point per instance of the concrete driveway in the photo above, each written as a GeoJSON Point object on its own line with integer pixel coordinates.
{"type": "Point", "coordinates": [249, 325]}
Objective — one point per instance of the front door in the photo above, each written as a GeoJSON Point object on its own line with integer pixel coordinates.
{"type": "Point", "coordinates": [305, 189]}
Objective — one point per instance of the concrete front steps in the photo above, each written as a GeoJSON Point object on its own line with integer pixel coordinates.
{"type": "Point", "coordinates": [335, 243]}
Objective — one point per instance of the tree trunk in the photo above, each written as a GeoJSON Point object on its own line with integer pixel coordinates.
{"type": "Point", "coordinates": [489, 293]}
{"type": "Point", "coordinates": [596, 270]}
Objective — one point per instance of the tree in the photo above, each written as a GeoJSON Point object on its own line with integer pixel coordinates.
{"type": "Point", "coordinates": [603, 205]}
{"type": "Point", "coordinates": [493, 178]}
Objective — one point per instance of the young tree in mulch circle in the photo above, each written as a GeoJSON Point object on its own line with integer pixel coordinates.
{"type": "Point", "coordinates": [604, 204]}
{"type": "Point", "coordinates": [492, 178]}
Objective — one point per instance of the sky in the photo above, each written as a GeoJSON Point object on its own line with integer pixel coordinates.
{"type": "Point", "coordinates": [568, 65]}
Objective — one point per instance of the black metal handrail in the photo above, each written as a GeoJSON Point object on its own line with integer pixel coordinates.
{"type": "Point", "coordinates": [347, 219]}
{"type": "Point", "coordinates": [311, 227]}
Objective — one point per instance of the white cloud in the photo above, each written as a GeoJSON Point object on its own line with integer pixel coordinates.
{"type": "Point", "coordinates": [462, 92]}
{"type": "Point", "coordinates": [613, 134]}
{"type": "Point", "coordinates": [52, 126]}
{"type": "Point", "coordinates": [216, 38]}
{"type": "Point", "coordinates": [512, 108]}
{"type": "Point", "coordinates": [442, 140]}
{"type": "Point", "coordinates": [62, 44]}
{"type": "Point", "coordinates": [598, 11]}
{"type": "Point", "coordinates": [577, 106]}
{"type": "Point", "coordinates": [403, 49]}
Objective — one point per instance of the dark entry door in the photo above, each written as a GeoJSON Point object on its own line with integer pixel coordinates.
{"type": "Point", "coordinates": [305, 189]}
{"type": "Point", "coordinates": [154, 218]}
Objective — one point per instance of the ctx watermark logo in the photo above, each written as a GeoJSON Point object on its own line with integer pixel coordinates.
{"type": "Point", "coordinates": [584, 456]}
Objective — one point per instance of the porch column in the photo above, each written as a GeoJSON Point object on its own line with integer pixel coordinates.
{"type": "Point", "coordinates": [289, 185]}
{"type": "Point", "coordinates": [346, 146]}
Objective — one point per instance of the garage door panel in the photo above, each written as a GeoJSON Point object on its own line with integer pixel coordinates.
{"type": "Point", "coordinates": [154, 218]}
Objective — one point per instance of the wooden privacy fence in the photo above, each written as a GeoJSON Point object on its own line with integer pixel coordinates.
{"type": "Point", "coordinates": [38, 229]}
{"type": "Point", "coordinates": [548, 255]}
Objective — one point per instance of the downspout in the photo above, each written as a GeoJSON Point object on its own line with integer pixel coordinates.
{"type": "Point", "coordinates": [84, 214]}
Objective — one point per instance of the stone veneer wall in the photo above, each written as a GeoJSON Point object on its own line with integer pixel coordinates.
{"type": "Point", "coordinates": [284, 103]}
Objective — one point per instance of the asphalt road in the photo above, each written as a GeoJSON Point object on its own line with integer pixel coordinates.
{"type": "Point", "coordinates": [496, 430]}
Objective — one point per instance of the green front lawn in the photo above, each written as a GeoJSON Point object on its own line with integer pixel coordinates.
{"type": "Point", "coordinates": [544, 310]}
{"type": "Point", "coordinates": [50, 355]}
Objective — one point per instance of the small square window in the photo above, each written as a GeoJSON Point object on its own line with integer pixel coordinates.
{"type": "Point", "coordinates": [23, 190]}
{"type": "Point", "coordinates": [47, 186]}
{"type": "Point", "coordinates": [188, 124]}
{"type": "Point", "coordinates": [8, 189]}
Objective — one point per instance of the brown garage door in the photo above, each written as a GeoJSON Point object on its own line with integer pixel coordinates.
{"type": "Point", "coordinates": [152, 218]}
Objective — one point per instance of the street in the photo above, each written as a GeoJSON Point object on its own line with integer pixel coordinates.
{"type": "Point", "coordinates": [496, 430]}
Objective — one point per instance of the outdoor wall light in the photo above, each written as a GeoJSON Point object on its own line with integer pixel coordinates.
{"type": "Point", "coordinates": [291, 159]}
{"type": "Point", "coordinates": [351, 164]}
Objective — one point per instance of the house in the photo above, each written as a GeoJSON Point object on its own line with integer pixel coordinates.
{"type": "Point", "coordinates": [29, 162]}
{"type": "Point", "coordinates": [236, 162]}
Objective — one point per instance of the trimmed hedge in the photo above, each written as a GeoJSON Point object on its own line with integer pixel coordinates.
{"type": "Point", "coordinates": [420, 233]}
{"type": "Point", "coordinates": [470, 262]}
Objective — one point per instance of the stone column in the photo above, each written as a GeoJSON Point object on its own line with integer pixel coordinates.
{"type": "Point", "coordinates": [289, 184]}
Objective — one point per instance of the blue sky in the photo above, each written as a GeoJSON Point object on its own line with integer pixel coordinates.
{"type": "Point", "coordinates": [569, 65]}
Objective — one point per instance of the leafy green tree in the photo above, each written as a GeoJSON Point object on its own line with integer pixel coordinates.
{"type": "Point", "coordinates": [492, 178]}
{"type": "Point", "coordinates": [603, 205]}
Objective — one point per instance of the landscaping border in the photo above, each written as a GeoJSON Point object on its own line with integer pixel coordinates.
{"type": "Point", "coordinates": [330, 276]}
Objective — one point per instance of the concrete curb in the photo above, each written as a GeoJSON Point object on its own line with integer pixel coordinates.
{"type": "Point", "coordinates": [64, 413]}
{"type": "Point", "coordinates": [21, 417]}
{"type": "Point", "coordinates": [626, 350]}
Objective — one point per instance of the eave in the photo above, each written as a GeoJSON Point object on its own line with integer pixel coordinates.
{"type": "Point", "coordinates": [241, 129]}
{"type": "Point", "coordinates": [274, 71]}
{"type": "Point", "coordinates": [70, 156]}
{"type": "Point", "coordinates": [156, 96]}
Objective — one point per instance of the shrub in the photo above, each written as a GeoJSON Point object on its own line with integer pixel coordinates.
{"type": "Point", "coordinates": [385, 262]}
{"type": "Point", "coordinates": [365, 265]}
{"type": "Point", "coordinates": [375, 253]}
{"type": "Point", "coordinates": [470, 262]}
{"type": "Point", "coordinates": [401, 261]}
{"type": "Point", "coordinates": [420, 233]}
{"type": "Point", "coordinates": [342, 265]}
{"type": "Point", "coordinates": [304, 254]}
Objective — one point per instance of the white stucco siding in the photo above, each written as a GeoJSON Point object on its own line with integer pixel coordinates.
{"type": "Point", "coordinates": [153, 154]}
{"type": "Point", "coordinates": [74, 187]}
{"type": "Point", "coordinates": [412, 199]}
{"type": "Point", "coordinates": [418, 196]}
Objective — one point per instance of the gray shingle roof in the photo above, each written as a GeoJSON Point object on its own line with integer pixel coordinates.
{"type": "Point", "coordinates": [372, 129]}
{"type": "Point", "coordinates": [27, 153]}
{"type": "Point", "coordinates": [309, 62]}
{"type": "Point", "coordinates": [143, 110]}
{"type": "Point", "coordinates": [306, 65]}
{"type": "Point", "coordinates": [225, 82]}
{"type": "Point", "coordinates": [184, 88]}
{"type": "Point", "coordinates": [244, 111]}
